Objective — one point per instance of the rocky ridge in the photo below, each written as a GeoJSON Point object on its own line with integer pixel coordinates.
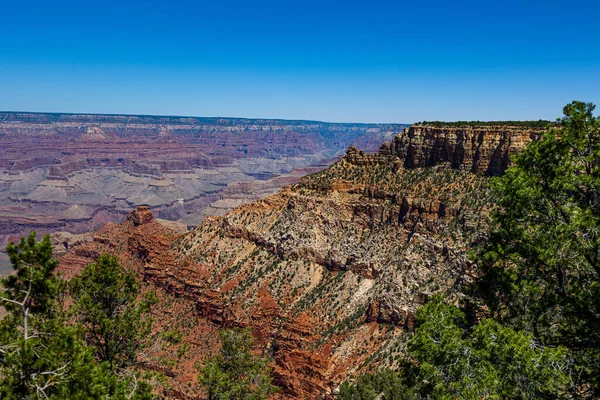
{"type": "Point", "coordinates": [329, 272]}
{"type": "Point", "coordinates": [342, 259]}
{"type": "Point", "coordinates": [181, 338]}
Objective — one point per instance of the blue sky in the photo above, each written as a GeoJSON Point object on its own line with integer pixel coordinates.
{"type": "Point", "coordinates": [369, 61]}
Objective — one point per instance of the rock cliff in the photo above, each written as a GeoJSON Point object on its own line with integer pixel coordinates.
{"type": "Point", "coordinates": [181, 338]}
{"type": "Point", "coordinates": [328, 272]}
{"type": "Point", "coordinates": [484, 150]}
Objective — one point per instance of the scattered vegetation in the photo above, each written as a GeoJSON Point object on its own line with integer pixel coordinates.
{"type": "Point", "coordinates": [539, 288]}
{"type": "Point", "coordinates": [540, 124]}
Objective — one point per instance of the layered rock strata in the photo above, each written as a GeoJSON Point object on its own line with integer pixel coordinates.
{"type": "Point", "coordinates": [328, 273]}
{"type": "Point", "coordinates": [484, 150]}
{"type": "Point", "coordinates": [75, 173]}
{"type": "Point", "coordinates": [181, 339]}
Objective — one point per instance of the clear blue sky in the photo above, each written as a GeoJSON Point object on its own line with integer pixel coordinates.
{"type": "Point", "coordinates": [368, 61]}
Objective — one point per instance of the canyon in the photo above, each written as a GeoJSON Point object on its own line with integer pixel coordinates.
{"type": "Point", "coordinates": [327, 272]}
{"type": "Point", "coordinates": [75, 172]}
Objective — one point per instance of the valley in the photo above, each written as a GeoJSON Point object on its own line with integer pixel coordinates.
{"type": "Point", "coordinates": [210, 200]}
{"type": "Point", "coordinates": [328, 272]}
{"type": "Point", "coordinates": [75, 173]}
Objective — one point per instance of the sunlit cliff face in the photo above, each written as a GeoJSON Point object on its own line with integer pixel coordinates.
{"type": "Point", "coordinates": [328, 272]}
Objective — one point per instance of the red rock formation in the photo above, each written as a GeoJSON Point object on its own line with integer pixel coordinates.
{"type": "Point", "coordinates": [328, 273]}
{"type": "Point", "coordinates": [135, 244]}
{"type": "Point", "coordinates": [141, 215]}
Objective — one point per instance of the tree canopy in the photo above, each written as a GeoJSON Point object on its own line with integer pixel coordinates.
{"type": "Point", "coordinates": [539, 284]}
{"type": "Point", "coordinates": [236, 373]}
{"type": "Point", "coordinates": [542, 259]}
{"type": "Point", "coordinates": [449, 359]}
{"type": "Point", "coordinates": [106, 303]}
{"type": "Point", "coordinates": [43, 355]}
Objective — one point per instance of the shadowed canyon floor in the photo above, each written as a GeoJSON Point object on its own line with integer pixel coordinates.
{"type": "Point", "coordinates": [328, 272]}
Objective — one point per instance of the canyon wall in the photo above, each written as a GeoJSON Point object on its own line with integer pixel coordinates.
{"type": "Point", "coordinates": [77, 172]}
{"type": "Point", "coordinates": [484, 150]}
{"type": "Point", "coordinates": [328, 272]}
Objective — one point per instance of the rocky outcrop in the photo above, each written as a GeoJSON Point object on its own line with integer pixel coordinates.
{"type": "Point", "coordinates": [347, 257]}
{"type": "Point", "coordinates": [359, 157]}
{"type": "Point", "coordinates": [484, 150]}
{"type": "Point", "coordinates": [62, 242]}
{"type": "Point", "coordinates": [141, 215]}
{"type": "Point", "coordinates": [384, 309]}
{"type": "Point", "coordinates": [329, 272]}
{"type": "Point", "coordinates": [181, 338]}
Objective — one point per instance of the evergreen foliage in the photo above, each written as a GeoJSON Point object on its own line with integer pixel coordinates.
{"type": "Point", "coordinates": [105, 303]}
{"type": "Point", "coordinates": [542, 260]}
{"type": "Point", "coordinates": [236, 373]}
{"type": "Point", "coordinates": [487, 360]}
{"type": "Point", "coordinates": [389, 384]}
{"type": "Point", "coordinates": [41, 355]}
{"type": "Point", "coordinates": [451, 360]}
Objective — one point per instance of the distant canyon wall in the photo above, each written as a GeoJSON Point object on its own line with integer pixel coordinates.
{"type": "Point", "coordinates": [70, 172]}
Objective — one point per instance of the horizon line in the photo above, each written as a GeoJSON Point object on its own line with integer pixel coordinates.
{"type": "Point", "coordinates": [205, 117]}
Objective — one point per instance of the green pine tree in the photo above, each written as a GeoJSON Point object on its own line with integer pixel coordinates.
{"type": "Point", "coordinates": [42, 356]}
{"type": "Point", "coordinates": [542, 260]}
{"type": "Point", "coordinates": [236, 373]}
{"type": "Point", "coordinates": [449, 359]}
{"type": "Point", "coordinates": [106, 303]}
{"type": "Point", "coordinates": [454, 360]}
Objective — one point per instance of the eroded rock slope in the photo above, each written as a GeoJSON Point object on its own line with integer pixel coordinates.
{"type": "Point", "coordinates": [328, 273]}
